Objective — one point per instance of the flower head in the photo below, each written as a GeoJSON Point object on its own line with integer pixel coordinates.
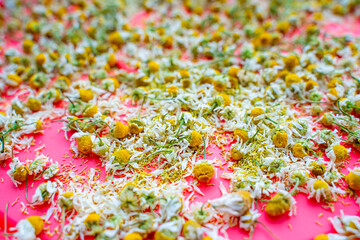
{"type": "Point", "coordinates": [84, 144]}
{"type": "Point", "coordinates": [203, 172]}
{"type": "Point", "coordinates": [40, 59]}
{"type": "Point", "coordinates": [192, 230]}
{"type": "Point", "coordinates": [299, 150]}
{"type": "Point", "coordinates": [38, 164]}
{"type": "Point", "coordinates": [195, 139]}
{"type": "Point", "coordinates": [44, 192]}
{"type": "Point", "coordinates": [85, 95]}
{"type": "Point", "coordinates": [353, 179]}
{"type": "Point", "coordinates": [153, 66]}
{"type": "Point", "coordinates": [33, 104]}
{"type": "Point", "coordinates": [173, 90]}
{"type": "Point", "coordinates": [120, 130]}
{"type": "Point", "coordinates": [346, 225]}
{"type": "Point", "coordinates": [110, 84]}
{"type": "Point", "coordinates": [37, 222]}
{"type": "Point", "coordinates": [236, 153]}
{"type": "Point", "coordinates": [340, 152]}
{"type": "Point", "coordinates": [225, 99]}
{"type": "Point", "coordinates": [279, 204]}
{"type": "Point", "coordinates": [133, 236]}
{"type": "Point", "coordinates": [18, 172]}
{"type": "Point", "coordinates": [115, 39]}
{"type": "Point", "coordinates": [292, 78]}
{"type": "Point", "coordinates": [220, 83]}
{"type": "Point", "coordinates": [136, 126]}
{"type": "Point", "coordinates": [90, 111]}
{"type": "Point", "coordinates": [280, 139]}
{"type": "Point", "coordinates": [290, 62]}
{"type": "Point", "coordinates": [66, 200]}
{"type": "Point", "coordinates": [13, 80]}
{"type": "Point", "coordinates": [121, 156]}
{"type": "Point", "coordinates": [241, 134]}
{"type": "Point", "coordinates": [29, 228]}
{"type": "Point", "coordinates": [234, 204]}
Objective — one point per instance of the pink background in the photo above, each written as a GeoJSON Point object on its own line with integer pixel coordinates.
{"type": "Point", "coordinates": [305, 225]}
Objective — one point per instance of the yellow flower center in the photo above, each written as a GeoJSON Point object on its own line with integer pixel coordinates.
{"type": "Point", "coordinates": [121, 156]}
{"type": "Point", "coordinates": [195, 139]}
{"type": "Point", "coordinates": [37, 222]}
{"type": "Point", "coordinates": [84, 144]}
{"type": "Point", "coordinates": [299, 151]}
{"type": "Point", "coordinates": [319, 184]}
{"type": "Point", "coordinates": [120, 130]}
{"type": "Point", "coordinates": [133, 236]}
{"type": "Point", "coordinates": [85, 95]}
{"type": "Point", "coordinates": [153, 66]}
{"type": "Point", "coordinates": [280, 139]}
{"type": "Point", "coordinates": [340, 153]}
{"type": "Point", "coordinates": [203, 172]}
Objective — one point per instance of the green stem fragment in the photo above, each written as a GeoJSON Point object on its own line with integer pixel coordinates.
{"type": "Point", "coordinates": [35, 179]}
{"type": "Point", "coordinates": [268, 230]}
{"type": "Point", "coordinates": [271, 107]}
{"type": "Point", "coordinates": [204, 147]}
{"type": "Point", "coordinates": [343, 111]}
{"type": "Point", "coordinates": [252, 137]}
{"type": "Point", "coordinates": [26, 195]}
{"type": "Point", "coordinates": [181, 123]}
{"type": "Point", "coordinates": [267, 118]}
{"type": "Point", "coordinates": [5, 221]}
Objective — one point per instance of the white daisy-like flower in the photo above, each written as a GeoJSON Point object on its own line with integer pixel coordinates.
{"type": "Point", "coordinates": [320, 190]}
{"type": "Point", "coordinates": [346, 225]}
{"type": "Point", "coordinates": [25, 230]}
{"type": "Point", "coordinates": [37, 166]}
{"type": "Point", "coordinates": [17, 172]}
{"type": "Point", "coordinates": [51, 171]}
{"type": "Point", "coordinates": [6, 153]}
{"type": "Point", "coordinates": [44, 192]}
{"type": "Point", "coordinates": [248, 220]}
{"type": "Point", "coordinates": [233, 204]}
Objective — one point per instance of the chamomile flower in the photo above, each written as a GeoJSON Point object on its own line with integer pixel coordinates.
{"type": "Point", "coordinates": [353, 178]}
{"type": "Point", "coordinates": [37, 166]}
{"type": "Point", "coordinates": [66, 200]}
{"type": "Point", "coordinates": [29, 228]}
{"type": "Point", "coordinates": [338, 153]}
{"type": "Point", "coordinates": [320, 190]}
{"type": "Point", "coordinates": [281, 203]}
{"type": "Point", "coordinates": [192, 230]}
{"type": "Point", "coordinates": [248, 220]}
{"type": "Point", "coordinates": [91, 223]}
{"type": "Point", "coordinates": [233, 204]}
{"type": "Point", "coordinates": [120, 130]}
{"type": "Point", "coordinates": [44, 192]}
{"type": "Point", "coordinates": [51, 171]}
{"type": "Point", "coordinates": [18, 171]}
{"type": "Point", "coordinates": [346, 225]}
{"type": "Point", "coordinates": [84, 144]}
{"type": "Point", "coordinates": [203, 172]}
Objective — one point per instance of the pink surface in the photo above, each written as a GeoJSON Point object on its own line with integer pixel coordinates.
{"type": "Point", "coordinates": [301, 226]}
{"type": "Point", "coordinates": [305, 225]}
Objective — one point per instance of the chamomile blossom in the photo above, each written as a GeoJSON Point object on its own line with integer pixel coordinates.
{"type": "Point", "coordinates": [346, 225]}
{"type": "Point", "coordinates": [51, 171]}
{"type": "Point", "coordinates": [44, 192]}
{"type": "Point", "coordinates": [18, 171]}
{"type": "Point", "coordinates": [37, 166]}
{"type": "Point", "coordinates": [233, 204]}
{"type": "Point", "coordinates": [29, 228]}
